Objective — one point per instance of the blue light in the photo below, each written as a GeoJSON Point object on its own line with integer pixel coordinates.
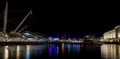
{"type": "Point", "coordinates": [50, 51]}
{"type": "Point", "coordinates": [55, 50]}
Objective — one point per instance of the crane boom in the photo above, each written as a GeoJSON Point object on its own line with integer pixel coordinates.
{"type": "Point", "coordinates": [22, 21]}
{"type": "Point", "coordinates": [22, 29]}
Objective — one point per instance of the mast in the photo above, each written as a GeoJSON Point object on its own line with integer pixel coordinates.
{"type": "Point", "coordinates": [22, 21]}
{"type": "Point", "coordinates": [5, 18]}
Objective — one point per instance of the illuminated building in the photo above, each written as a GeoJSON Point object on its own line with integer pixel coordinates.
{"type": "Point", "coordinates": [112, 35]}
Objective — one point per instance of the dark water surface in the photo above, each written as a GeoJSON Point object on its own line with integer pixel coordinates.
{"type": "Point", "coordinates": [62, 51]}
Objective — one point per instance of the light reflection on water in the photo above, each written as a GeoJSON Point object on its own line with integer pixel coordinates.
{"type": "Point", "coordinates": [18, 52]}
{"type": "Point", "coordinates": [6, 52]}
{"type": "Point", "coordinates": [110, 51]}
{"type": "Point", "coordinates": [106, 51]}
{"type": "Point", "coordinates": [28, 52]}
{"type": "Point", "coordinates": [50, 51]}
{"type": "Point", "coordinates": [63, 48]}
{"type": "Point", "coordinates": [53, 50]}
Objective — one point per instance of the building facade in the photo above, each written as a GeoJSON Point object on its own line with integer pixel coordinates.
{"type": "Point", "coordinates": [112, 35]}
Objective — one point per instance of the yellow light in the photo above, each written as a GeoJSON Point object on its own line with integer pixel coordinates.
{"type": "Point", "coordinates": [6, 52]}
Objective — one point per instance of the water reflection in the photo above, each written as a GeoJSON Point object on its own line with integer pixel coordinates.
{"type": "Point", "coordinates": [72, 49]}
{"type": "Point", "coordinates": [18, 52]}
{"type": "Point", "coordinates": [39, 51]}
{"type": "Point", "coordinates": [68, 46]}
{"type": "Point", "coordinates": [43, 51]}
{"type": "Point", "coordinates": [50, 51]}
{"type": "Point", "coordinates": [53, 50]}
{"type": "Point", "coordinates": [63, 48]}
{"type": "Point", "coordinates": [28, 52]}
{"type": "Point", "coordinates": [110, 51]}
{"type": "Point", "coordinates": [106, 51]}
{"type": "Point", "coordinates": [5, 52]}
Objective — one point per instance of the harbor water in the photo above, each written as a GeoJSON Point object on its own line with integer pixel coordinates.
{"type": "Point", "coordinates": [62, 51]}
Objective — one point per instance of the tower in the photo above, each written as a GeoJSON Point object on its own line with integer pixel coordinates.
{"type": "Point", "coordinates": [5, 18]}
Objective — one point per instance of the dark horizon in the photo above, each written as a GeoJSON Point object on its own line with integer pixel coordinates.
{"type": "Point", "coordinates": [56, 19]}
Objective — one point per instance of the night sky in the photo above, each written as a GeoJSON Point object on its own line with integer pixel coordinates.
{"type": "Point", "coordinates": [54, 18]}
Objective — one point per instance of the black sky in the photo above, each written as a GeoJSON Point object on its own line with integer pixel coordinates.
{"type": "Point", "coordinates": [55, 18]}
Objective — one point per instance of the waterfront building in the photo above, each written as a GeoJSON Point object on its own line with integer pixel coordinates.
{"type": "Point", "coordinates": [112, 35]}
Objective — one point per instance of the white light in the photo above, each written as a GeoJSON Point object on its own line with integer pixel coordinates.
{"type": "Point", "coordinates": [6, 35]}
{"type": "Point", "coordinates": [27, 34]}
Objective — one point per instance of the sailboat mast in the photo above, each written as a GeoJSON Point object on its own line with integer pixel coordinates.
{"type": "Point", "coordinates": [5, 18]}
